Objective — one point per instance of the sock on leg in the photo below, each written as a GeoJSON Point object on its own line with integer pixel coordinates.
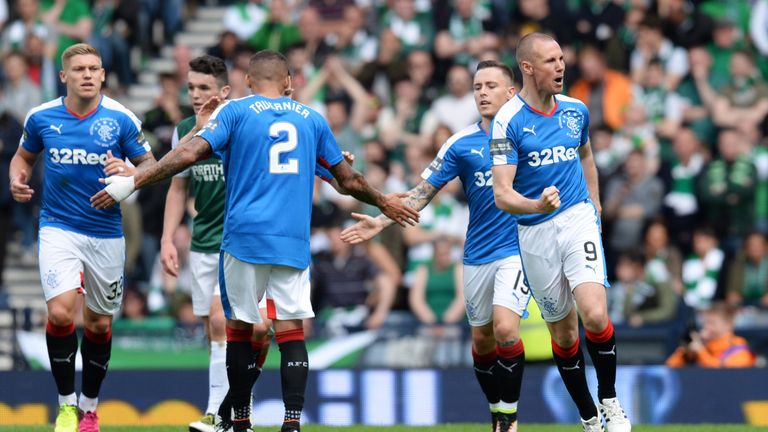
{"type": "Point", "coordinates": [96, 350]}
{"type": "Point", "coordinates": [485, 368]}
{"type": "Point", "coordinates": [602, 350]}
{"type": "Point", "coordinates": [511, 360]}
{"type": "Point", "coordinates": [240, 367]}
{"type": "Point", "coordinates": [570, 364]}
{"type": "Point", "coordinates": [62, 350]}
{"type": "Point", "coordinates": [294, 367]}
{"type": "Point", "coordinates": [217, 376]}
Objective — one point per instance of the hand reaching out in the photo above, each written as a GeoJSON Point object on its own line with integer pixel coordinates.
{"type": "Point", "coordinates": [365, 229]}
{"type": "Point", "coordinates": [206, 110]}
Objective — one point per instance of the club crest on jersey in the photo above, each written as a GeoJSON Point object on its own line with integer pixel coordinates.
{"type": "Point", "coordinates": [52, 278]}
{"type": "Point", "coordinates": [105, 130]}
{"type": "Point", "coordinates": [572, 120]}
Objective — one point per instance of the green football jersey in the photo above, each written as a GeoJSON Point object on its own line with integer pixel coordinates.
{"type": "Point", "coordinates": [207, 185]}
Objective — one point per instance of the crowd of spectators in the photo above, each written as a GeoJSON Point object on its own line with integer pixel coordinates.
{"type": "Point", "coordinates": [678, 103]}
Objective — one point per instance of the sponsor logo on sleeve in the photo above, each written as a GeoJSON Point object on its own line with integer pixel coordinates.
{"type": "Point", "coordinates": [211, 125]}
{"type": "Point", "coordinates": [501, 147]}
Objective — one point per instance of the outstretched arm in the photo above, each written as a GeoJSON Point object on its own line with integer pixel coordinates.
{"type": "Point", "coordinates": [189, 150]}
{"type": "Point", "coordinates": [355, 184]}
{"type": "Point", "coordinates": [368, 227]}
{"type": "Point", "coordinates": [119, 188]}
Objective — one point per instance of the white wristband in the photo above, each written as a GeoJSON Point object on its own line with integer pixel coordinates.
{"type": "Point", "coordinates": [119, 187]}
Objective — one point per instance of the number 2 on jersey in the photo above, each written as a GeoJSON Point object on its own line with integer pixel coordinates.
{"type": "Point", "coordinates": [280, 147]}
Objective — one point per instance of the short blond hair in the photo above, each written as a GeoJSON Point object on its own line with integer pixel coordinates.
{"type": "Point", "coordinates": [78, 49]}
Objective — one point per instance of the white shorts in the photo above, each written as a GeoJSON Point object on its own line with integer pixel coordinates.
{"type": "Point", "coordinates": [559, 255]}
{"type": "Point", "coordinates": [500, 282]}
{"type": "Point", "coordinates": [69, 261]}
{"type": "Point", "coordinates": [243, 285]}
{"type": "Point", "coordinates": [205, 281]}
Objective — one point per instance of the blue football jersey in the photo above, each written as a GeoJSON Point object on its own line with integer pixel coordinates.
{"type": "Point", "coordinates": [492, 233]}
{"type": "Point", "coordinates": [269, 149]}
{"type": "Point", "coordinates": [545, 148]}
{"type": "Point", "coordinates": [74, 152]}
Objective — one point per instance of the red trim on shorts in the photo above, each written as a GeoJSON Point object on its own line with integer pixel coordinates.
{"type": "Point", "coordinates": [290, 335]}
{"type": "Point", "coordinates": [238, 335]}
{"type": "Point", "coordinates": [59, 331]}
{"type": "Point", "coordinates": [510, 352]}
{"type": "Point", "coordinates": [99, 338]}
{"type": "Point", "coordinates": [603, 336]}
{"type": "Point", "coordinates": [483, 358]}
{"type": "Point", "coordinates": [271, 310]}
{"type": "Point", "coordinates": [565, 352]}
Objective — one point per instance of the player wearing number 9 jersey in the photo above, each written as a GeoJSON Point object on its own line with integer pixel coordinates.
{"type": "Point", "coordinates": [269, 145]}
{"type": "Point", "coordinates": [544, 171]}
{"type": "Point", "coordinates": [495, 294]}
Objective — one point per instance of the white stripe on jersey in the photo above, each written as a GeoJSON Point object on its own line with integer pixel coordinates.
{"type": "Point", "coordinates": [218, 108]}
{"type": "Point", "coordinates": [501, 124]}
{"type": "Point", "coordinates": [565, 98]}
{"type": "Point", "coordinates": [469, 130]}
{"type": "Point", "coordinates": [108, 102]}
{"type": "Point", "coordinates": [44, 106]}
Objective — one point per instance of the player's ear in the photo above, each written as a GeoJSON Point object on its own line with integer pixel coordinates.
{"type": "Point", "coordinates": [288, 83]}
{"type": "Point", "coordinates": [224, 92]}
{"type": "Point", "coordinates": [62, 76]}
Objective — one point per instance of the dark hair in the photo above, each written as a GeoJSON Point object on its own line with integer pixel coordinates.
{"type": "Point", "coordinates": [651, 22]}
{"type": "Point", "coordinates": [506, 70]}
{"type": "Point", "coordinates": [268, 65]}
{"type": "Point", "coordinates": [633, 256]}
{"type": "Point", "coordinates": [210, 65]}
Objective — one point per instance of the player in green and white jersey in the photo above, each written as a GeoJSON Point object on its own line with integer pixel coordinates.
{"type": "Point", "coordinates": [204, 180]}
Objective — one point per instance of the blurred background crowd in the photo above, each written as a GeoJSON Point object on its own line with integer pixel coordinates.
{"type": "Point", "coordinates": [678, 100]}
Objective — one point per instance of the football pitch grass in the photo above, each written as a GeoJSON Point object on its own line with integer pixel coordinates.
{"type": "Point", "coordinates": [438, 428]}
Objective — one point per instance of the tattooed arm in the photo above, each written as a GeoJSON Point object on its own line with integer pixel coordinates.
{"type": "Point", "coordinates": [184, 155]}
{"type": "Point", "coordinates": [119, 187]}
{"type": "Point", "coordinates": [355, 184]}
{"type": "Point", "coordinates": [367, 227]}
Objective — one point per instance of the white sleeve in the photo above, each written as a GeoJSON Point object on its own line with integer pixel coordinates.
{"type": "Point", "coordinates": [758, 26]}
{"type": "Point", "coordinates": [174, 143]}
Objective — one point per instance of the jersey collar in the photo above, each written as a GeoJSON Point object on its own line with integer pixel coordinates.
{"type": "Point", "coordinates": [81, 117]}
{"type": "Point", "coordinates": [540, 112]}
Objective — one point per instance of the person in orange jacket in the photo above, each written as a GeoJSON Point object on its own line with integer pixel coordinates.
{"type": "Point", "coordinates": [715, 346]}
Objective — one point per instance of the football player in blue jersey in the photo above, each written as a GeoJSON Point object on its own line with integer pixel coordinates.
{"type": "Point", "coordinates": [544, 172]}
{"type": "Point", "coordinates": [82, 249]}
{"type": "Point", "coordinates": [269, 145]}
{"type": "Point", "coordinates": [494, 286]}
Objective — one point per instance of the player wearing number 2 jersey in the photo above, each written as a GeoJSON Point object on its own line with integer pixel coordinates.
{"type": "Point", "coordinates": [544, 171]}
{"type": "Point", "coordinates": [81, 248]}
{"type": "Point", "coordinates": [269, 145]}
{"type": "Point", "coordinates": [495, 294]}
